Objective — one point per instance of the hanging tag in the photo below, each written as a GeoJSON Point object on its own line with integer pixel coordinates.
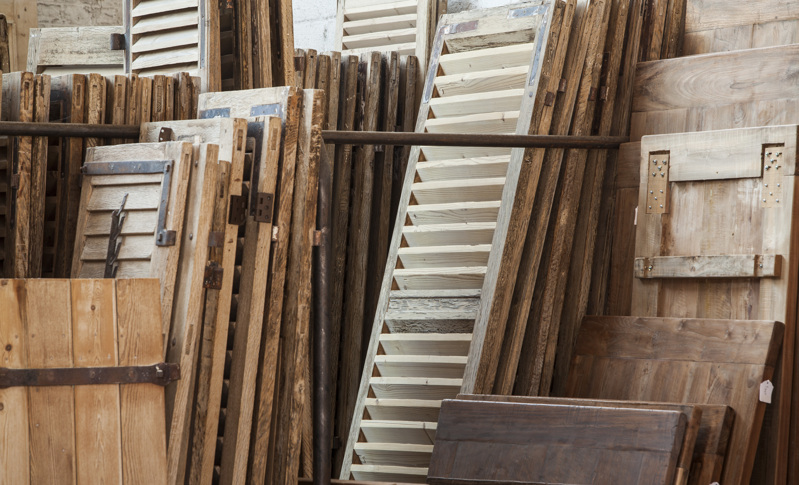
{"type": "Point", "coordinates": [766, 388]}
{"type": "Point", "coordinates": [636, 216]}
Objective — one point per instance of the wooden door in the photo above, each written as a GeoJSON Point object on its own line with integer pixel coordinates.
{"type": "Point", "coordinates": [715, 237]}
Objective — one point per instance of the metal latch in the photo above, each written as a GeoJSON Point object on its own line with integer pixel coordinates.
{"type": "Point", "coordinates": [160, 374]}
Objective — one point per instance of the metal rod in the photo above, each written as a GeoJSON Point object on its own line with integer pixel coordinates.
{"type": "Point", "coordinates": [322, 402]}
{"type": "Point", "coordinates": [71, 130]}
{"type": "Point", "coordinates": [471, 140]}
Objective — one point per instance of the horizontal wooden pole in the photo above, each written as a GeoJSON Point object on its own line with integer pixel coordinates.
{"type": "Point", "coordinates": [470, 140]}
{"type": "Point", "coordinates": [70, 130]}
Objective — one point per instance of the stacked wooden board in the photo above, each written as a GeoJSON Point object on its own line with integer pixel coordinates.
{"type": "Point", "coordinates": [407, 27]}
{"type": "Point", "coordinates": [555, 443]}
{"type": "Point", "coordinates": [114, 433]}
{"type": "Point", "coordinates": [443, 238]}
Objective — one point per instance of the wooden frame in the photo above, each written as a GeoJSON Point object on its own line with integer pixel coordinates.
{"type": "Point", "coordinates": [75, 50]}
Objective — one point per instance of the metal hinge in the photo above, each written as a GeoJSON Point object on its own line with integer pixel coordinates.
{"type": "Point", "coordinates": [657, 187]}
{"type": "Point", "coordinates": [160, 374]}
{"type": "Point", "coordinates": [773, 171]}
{"type": "Point", "coordinates": [264, 206]}
{"type": "Point", "coordinates": [166, 134]}
{"type": "Point", "coordinates": [237, 214]}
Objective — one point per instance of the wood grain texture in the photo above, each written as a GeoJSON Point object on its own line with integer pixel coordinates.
{"type": "Point", "coordinates": [705, 361]}
{"type": "Point", "coordinates": [555, 443]}
{"type": "Point", "coordinates": [710, 435]}
{"type": "Point", "coordinates": [39, 169]}
{"type": "Point", "coordinates": [98, 439]}
{"type": "Point", "coordinates": [265, 406]}
{"type": "Point", "coordinates": [143, 427]}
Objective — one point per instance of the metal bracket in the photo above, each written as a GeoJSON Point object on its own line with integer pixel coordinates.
{"type": "Point", "coordinates": [657, 187]}
{"type": "Point", "coordinates": [166, 134]}
{"type": "Point", "coordinates": [264, 206]}
{"type": "Point", "coordinates": [163, 236]}
{"type": "Point", "coordinates": [274, 109]}
{"type": "Point", "coordinates": [212, 279]}
{"type": "Point", "coordinates": [772, 175]}
{"type": "Point", "coordinates": [215, 113]}
{"type": "Point", "coordinates": [518, 13]}
{"type": "Point", "coordinates": [114, 246]}
{"type": "Point", "coordinates": [160, 374]}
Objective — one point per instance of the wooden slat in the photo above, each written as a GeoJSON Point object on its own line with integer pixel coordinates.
{"type": "Point", "coordinates": [51, 410]}
{"type": "Point", "coordinates": [142, 407]}
{"type": "Point", "coordinates": [98, 440]}
{"type": "Point", "coordinates": [742, 266]}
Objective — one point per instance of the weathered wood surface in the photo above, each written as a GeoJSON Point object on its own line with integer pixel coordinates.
{"type": "Point", "coordinates": [75, 50]}
{"type": "Point", "coordinates": [139, 256]}
{"type": "Point", "coordinates": [703, 360]}
{"type": "Point", "coordinates": [711, 434]}
{"type": "Point", "coordinates": [724, 211]}
{"type": "Point", "coordinates": [555, 443]}
{"type": "Point", "coordinates": [445, 224]}
{"type": "Point", "coordinates": [82, 434]}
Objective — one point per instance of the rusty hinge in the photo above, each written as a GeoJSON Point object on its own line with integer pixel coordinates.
{"type": "Point", "coordinates": [160, 374]}
{"type": "Point", "coordinates": [166, 134]}
{"type": "Point", "coordinates": [212, 279]}
{"type": "Point", "coordinates": [264, 205]}
{"type": "Point", "coordinates": [550, 99]}
{"type": "Point", "coordinates": [15, 181]}
{"type": "Point", "coordinates": [216, 239]}
{"type": "Point", "coordinates": [117, 42]}
{"type": "Point", "coordinates": [226, 4]}
{"type": "Point", "coordinates": [562, 86]}
{"type": "Point", "coordinates": [773, 172]}
{"type": "Point", "coordinates": [238, 210]}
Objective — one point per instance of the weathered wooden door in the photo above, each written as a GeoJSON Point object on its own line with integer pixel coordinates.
{"type": "Point", "coordinates": [715, 239]}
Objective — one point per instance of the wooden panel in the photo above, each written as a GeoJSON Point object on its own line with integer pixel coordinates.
{"type": "Point", "coordinates": [704, 361]}
{"type": "Point", "coordinates": [710, 435]}
{"type": "Point", "coordinates": [79, 49]}
{"type": "Point", "coordinates": [555, 444]}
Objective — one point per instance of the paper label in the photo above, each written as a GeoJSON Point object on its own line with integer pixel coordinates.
{"type": "Point", "coordinates": [635, 223]}
{"type": "Point", "coordinates": [766, 388]}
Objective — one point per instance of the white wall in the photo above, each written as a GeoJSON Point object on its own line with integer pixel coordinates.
{"type": "Point", "coordinates": [315, 20]}
{"type": "Point", "coordinates": [70, 13]}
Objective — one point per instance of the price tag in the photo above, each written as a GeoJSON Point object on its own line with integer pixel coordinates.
{"type": "Point", "coordinates": [766, 388]}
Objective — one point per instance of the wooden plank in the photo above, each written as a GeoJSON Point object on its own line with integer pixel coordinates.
{"type": "Point", "coordinates": [730, 266]}
{"type": "Point", "coordinates": [710, 436]}
{"type": "Point", "coordinates": [142, 407]}
{"type": "Point", "coordinates": [686, 350]}
{"type": "Point", "coordinates": [580, 29]}
{"type": "Point", "coordinates": [262, 430]}
{"type": "Point", "coordinates": [20, 98]}
{"type": "Point", "coordinates": [567, 444]}
{"type": "Point", "coordinates": [83, 49]}
{"type": "Point", "coordinates": [72, 89]}
{"type": "Point", "coordinates": [14, 417]}
{"type": "Point", "coordinates": [298, 286]}
{"type": "Point", "coordinates": [250, 316]}
{"type": "Point", "coordinates": [98, 439]}
{"type": "Point", "coordinates": [353, 315]}
{"type": "Point", "coordinates": [41, 113]}
{"type": "Point", "coordinates": [281, 23]}
{"type": "Point", "coordinates": [187, 308]}
{"type": "Point", "coordinates": [51, 410]}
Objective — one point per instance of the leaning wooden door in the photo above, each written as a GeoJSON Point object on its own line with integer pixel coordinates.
{"type": "Point", "coordinates": [714, 239]}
